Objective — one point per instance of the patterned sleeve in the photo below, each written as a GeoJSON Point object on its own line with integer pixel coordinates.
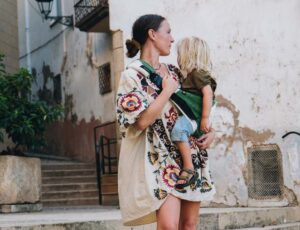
{"type": "Point", "coordinates": [131, 101]}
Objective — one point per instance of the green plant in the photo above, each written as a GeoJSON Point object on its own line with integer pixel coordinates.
{"type": "Point", "coordinates": [23, 120]}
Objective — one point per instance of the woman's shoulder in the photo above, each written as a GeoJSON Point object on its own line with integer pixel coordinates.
{"type": "Point", "coordinates": [132, 71]}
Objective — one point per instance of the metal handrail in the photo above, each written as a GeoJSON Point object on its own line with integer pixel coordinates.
{"type": "Point", "coordinates": [100, 155]}
{"type": "Point", "coordinates": [86, 7]}
{"type": "Point", "coordinates": [291, 132]}
{"type": "Point", "coordinates": [102, 144]}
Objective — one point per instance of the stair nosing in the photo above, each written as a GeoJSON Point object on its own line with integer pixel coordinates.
{"type": "Point", "coordinates": [57, 177]}
{"type": "Point", "coordinates": [78, 183]}
{"type": "Point", "coordinates": [67, 170]}
{"type": "Point", "coordinates": [70, 199]}
{"type": "Point", "coordinates": [71, 191]}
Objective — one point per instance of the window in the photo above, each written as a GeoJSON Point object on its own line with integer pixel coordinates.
{"type": "Point", "coordinates": [57, 95]}
{"type": "Point", "coordinates": [104, 79]}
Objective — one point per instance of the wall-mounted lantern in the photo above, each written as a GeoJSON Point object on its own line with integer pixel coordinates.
{"type": "Point", "coordinates": [45, 7]}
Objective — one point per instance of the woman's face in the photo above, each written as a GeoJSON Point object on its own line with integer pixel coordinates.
{"type": "Point", "coordinates": [163, 39]}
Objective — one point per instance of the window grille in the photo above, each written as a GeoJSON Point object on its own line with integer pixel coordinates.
{"type": "Point", "coordinates": [104, 79]}
{"type": "Point", "coordinates": [265, 172]}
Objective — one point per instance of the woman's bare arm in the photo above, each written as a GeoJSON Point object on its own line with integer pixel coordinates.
{"type": "Point", "coordinates": [149, 115]}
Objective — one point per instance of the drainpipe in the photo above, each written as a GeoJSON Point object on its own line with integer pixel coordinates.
{"type": "Point", "coordinates": [64, 34]}
{"type": "Point", "coordinates": [27, 35]}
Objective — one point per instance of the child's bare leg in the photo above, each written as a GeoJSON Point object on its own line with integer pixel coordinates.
{"type": "Point", "coordinates": [185, 152]}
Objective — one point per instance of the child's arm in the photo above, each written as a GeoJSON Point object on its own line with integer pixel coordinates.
{"type": "Point", "coordinates": [206, 107]}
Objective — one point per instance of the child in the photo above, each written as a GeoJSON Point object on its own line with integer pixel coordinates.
{"type": "Point", "coordinates": [195, 64]}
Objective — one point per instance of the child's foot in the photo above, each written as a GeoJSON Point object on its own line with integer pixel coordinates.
{"type": "Point", "coordinates": [186, 178]}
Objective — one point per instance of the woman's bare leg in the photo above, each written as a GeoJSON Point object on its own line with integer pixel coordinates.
{"type": "Point", "coordinates": [189, 215]}
{"type": "Point", "coordinates": [168, 214]}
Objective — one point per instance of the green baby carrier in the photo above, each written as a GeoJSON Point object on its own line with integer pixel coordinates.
{"type": "Point", "coordinates": [188, 103]}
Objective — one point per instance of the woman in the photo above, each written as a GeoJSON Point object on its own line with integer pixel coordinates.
{"type": "Point", "coordinates": [149, 162]}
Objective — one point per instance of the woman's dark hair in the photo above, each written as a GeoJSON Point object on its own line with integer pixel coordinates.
{"type": "Point", "coordinates": [140, 32]}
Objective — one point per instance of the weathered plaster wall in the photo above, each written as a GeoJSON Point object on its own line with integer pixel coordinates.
{"type": "Point", "coordinates": [9, 44]}
{"type": "Point", "coordinates": [255, 52]}
{"type": "Point", "coordinates": [53, 50]}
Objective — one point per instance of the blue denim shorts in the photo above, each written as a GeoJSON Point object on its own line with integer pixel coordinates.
{"type": "Point", "coordinates": [182, 129]}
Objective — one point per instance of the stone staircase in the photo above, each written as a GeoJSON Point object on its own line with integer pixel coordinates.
{"type": "Point", "coordinates": [67, 183]}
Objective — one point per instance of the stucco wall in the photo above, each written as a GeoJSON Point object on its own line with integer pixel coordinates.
{"type": "Point", "coordinates": [9, 34]}
{"type": "Point", "coordinates": [255, 52]}
{"type": "Point", "coordinates": [9, 43]}
{"type": "Point", "coordinates": [51, 50]}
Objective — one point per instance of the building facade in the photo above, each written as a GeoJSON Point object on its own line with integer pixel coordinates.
{"type": "Point", "coordinates": [254, 48]}
{"type": "Point", "coordinates": [9, 44]}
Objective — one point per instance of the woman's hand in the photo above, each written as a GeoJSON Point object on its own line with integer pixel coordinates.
{"type": "Point", "coordinates": [169, 84]}
{"type": "Point", "coordinates": [205, 140]}
{"type": "Point", "coordinates": [149, 115]}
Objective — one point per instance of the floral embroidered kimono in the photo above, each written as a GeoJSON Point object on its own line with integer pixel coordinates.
{"type": "Point", "coordinates": [149, 163]}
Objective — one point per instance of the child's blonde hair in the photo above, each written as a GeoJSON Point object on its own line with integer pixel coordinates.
{"type": "Point", "coordinates": [193, 54]}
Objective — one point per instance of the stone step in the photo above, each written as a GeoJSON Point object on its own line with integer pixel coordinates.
{"type": "Point", "coordinates": [111, 200]}
{"type": "Point", "coordinates": [71, 202]}
{"type": "Point", "coordinates": [69, 194]}
{"type": "Point", "coordinates": [68, 172]}
{"type": "Point", "coordinates": [105, 179]}
{"type": "Point", "coordinates": [66, 179]}
{"type": "Point", "coordinates": [101, 218]}
{"type": "Point", "coordinates": [67, 187]}
{"type": "Point", "coordinates": [290, 226]}
{"type": "Point", "coordinates": [72, 165]}
{"type": "Point", "coordinates": [239, 218]}
{"type": "Point", "coordinates": [49, 157]}
{"type": "Point", "coordinates": [106, 188]}
{"type": "Point", "coordinates": [67, 166]}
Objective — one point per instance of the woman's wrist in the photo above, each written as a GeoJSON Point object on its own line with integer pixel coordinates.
{"type": "Point", "coordinates": [212, 130]}
{"type": "Point", "coordinates": [167, 92]}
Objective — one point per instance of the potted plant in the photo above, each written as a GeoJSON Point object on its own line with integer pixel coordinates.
{"type": "Point", "coordinates": [23, 121]}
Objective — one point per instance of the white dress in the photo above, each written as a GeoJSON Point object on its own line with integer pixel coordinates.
{"type": "Point", "coordinates": [149, 163]}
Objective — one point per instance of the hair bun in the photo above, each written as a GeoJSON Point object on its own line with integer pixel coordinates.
{"type": "Point", "coordinates": [133, 47]}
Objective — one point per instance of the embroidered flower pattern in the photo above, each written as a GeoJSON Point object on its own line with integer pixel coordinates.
{"type": "Point", "coordinates": [160, 130]}
{"type": "Point", "coordinates": [171, 117]}
{"type": "Point", "coordinates": [170, 175]}
{"type": "Point", "coordinates": [153, 157]}
{"type": "Point", "coordinates": [160, 194]}
{"type": "Point", "coordinates": [130, 102]}
{"type": "Point", "coordinates": [205, 186]}
{"type": "Point", "coordinates": [192, 142]}
{"type": "Point", "coordinates": [196, 161]}
{"type": "Point", "coordinates": [202, 155]}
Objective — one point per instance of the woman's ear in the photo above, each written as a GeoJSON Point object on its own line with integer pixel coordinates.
{"type": "Point", "coordinates": [151, 34]}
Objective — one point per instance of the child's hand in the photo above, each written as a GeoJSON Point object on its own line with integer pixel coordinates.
{"type": "Point", "coordinates": [204, 127]}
